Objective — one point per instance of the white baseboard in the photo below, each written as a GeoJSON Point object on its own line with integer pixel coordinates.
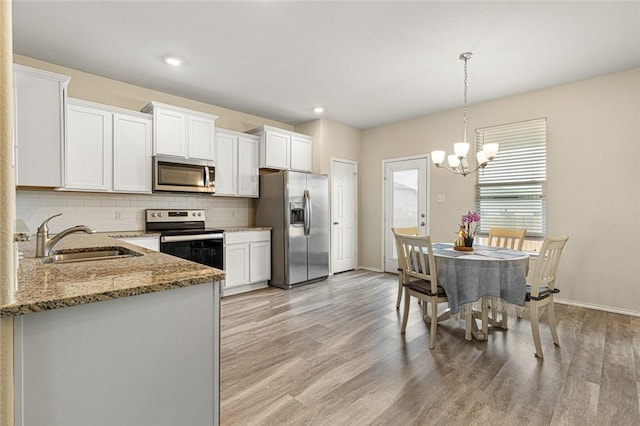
{"type": "Point", "coordinates": [367, 268]}
{"type": "Point", "coordinates": [244, 288]}
{"type": "Point", "coordinates": [598, 307]}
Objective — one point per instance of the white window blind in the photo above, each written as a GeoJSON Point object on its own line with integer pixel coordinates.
{"type": "Point", "coordinates": [510, 190]}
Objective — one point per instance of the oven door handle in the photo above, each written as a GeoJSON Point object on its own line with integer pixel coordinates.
{"type": "Point", "coordinates": [180, 238]}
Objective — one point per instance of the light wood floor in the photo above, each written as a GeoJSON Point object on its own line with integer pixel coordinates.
{"type": "Point", "coordinates": [331, 353]}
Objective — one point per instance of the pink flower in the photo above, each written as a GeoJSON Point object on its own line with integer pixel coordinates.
{"type": "Point", "coordinates": [471, 217]}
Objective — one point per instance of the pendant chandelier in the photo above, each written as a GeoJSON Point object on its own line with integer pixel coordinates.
{"type": "Point", "coordinates": [458, 163]}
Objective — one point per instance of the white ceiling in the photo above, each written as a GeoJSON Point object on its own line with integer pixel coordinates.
{"type": "Point", "coordinates": [367, 63]}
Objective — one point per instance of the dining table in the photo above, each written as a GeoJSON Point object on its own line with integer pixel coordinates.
{"type": "Point", "coordinates": [482, 277]}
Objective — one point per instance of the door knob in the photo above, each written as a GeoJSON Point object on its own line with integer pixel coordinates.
{"type": "Point", "coordinates": [422, 224]}
{"type": "Point", "coordinates": [335, 223]}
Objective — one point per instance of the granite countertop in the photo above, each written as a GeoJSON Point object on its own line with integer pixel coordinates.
{"type": "Point", "coordinates": [245, 228]}
{"type": "Point", "coordinates": [131, 234]}
{"type": "Point", "coordinates": [42, 286]}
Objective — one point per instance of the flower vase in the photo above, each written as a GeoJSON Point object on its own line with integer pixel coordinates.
{"type": "Point", "coordinates": [468, 241]}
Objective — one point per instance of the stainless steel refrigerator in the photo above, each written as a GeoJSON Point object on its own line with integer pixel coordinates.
{"type": "Point", "coordinates": [296, 205]}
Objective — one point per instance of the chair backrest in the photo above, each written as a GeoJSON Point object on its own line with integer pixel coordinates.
{"type": "Point", "coordinates": [507, 238]}
{"type": "Point", "coordinates": [406, 231]}
{"type": "Point", "coordinates": [544, 273]}
{"type": "Point", "coordinates": [417, 258]}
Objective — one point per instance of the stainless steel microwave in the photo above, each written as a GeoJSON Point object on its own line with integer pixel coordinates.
{"type": "Point", "coordinates": [174, 174]}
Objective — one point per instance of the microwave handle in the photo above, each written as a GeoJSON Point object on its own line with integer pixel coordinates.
{"type": "Point", "coordinates": [207, 178]}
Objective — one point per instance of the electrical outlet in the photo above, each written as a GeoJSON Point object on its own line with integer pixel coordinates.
{"type": "Point", "coordinates": [118, 214]}
{"type": "Point", "coordinates": [441, 198]}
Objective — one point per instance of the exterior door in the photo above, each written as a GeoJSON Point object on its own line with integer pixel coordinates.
{"type": "Point", "coordinates": [406, 195]}
{"type": "Point", "coordinates": [344, 185]}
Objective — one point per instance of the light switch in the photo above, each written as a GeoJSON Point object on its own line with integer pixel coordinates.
{"type": "Point", "coordinates": [441, 198]}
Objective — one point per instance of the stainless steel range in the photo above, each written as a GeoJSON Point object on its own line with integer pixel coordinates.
{"type": "Point", "coordinates": [183, 234]}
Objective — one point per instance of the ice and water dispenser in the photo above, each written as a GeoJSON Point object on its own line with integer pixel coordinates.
{"type": "Point", "coordinates": [297, 214]}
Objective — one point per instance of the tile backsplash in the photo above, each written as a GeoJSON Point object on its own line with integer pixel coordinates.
{"type": "Point", "coordinates": [123, 212]}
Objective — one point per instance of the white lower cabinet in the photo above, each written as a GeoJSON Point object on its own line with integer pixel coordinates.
{"type": "Point", "coordinates": [150, 359]}
{"type": "Point", "coordinates": [247, 261]}
{"type": "Point", "coordinates": [107, 149]}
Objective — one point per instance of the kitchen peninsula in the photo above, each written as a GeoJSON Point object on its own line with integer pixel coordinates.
{"type": "Point", "coordinates": [146, 353]}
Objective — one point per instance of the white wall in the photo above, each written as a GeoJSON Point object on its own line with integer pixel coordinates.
{"type": "Point", "coordinates": [593, 191]}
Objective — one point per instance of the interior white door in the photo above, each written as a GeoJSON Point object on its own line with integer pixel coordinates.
{"type": "Point", "coordinates": [344, 184]}
{"type": "Point", "coordinates": [406, 190]}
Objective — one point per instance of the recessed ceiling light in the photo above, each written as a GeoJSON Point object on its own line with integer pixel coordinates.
{"type": "Point", "coordinates": [173, 60]}
{"type": "Point", "coordinates": [318, 110]}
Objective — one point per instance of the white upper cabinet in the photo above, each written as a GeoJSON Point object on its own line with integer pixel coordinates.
{"type": "Point", "coordinates": [39, 101]}
{"type": "Point", "coordinates": [181, 132]}
{"type": "Point", "coordinates": [226, 149]}
{"type": "Point", "coordinates": [107, 149]}
{"type": "Point", "coordinates": [283, 149]}
{"type": "Point", "coordinates": [201, 133]}
{"type": "Point", "coordinates": [88, 147]}
{"type": "Point", "coordinates": [248, 171]}
{"type": "Point", "coordinates": [237, 170]}
{"type": "Point", "coordinates": [300, 153]}
{"type": "Point", "coordinates": [132, 136]}
{"type": "Point", "coordinates": [275, 148]}
{"type": "Point", "coordinates": [170, 132]}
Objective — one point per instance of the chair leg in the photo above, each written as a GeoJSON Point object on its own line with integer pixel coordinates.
{"type": "Point", "coordinates": [434, 323]}
{"type": "Point", "coordinates": [535, 330]}
{"type": "Point", "coordinates": [552, 323]}
{"type": "Point", "coordinates": [400, 279]}
{"type": "Point", "coordinates": [405, 316]}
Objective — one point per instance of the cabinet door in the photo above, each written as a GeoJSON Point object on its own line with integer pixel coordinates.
{"type": "Point", "coordinates": [276, 150]}
{"type": "Point", "coordinates": [200, 137]}
{"type": "Point", "coordinates": [170, 132]}
{"type": "Point", "coordinates": [300, 154]}
{"type": "Point", "coordinates": [236, 265]}
{"type": "Point", "coordinates": [248, 172]}
{"type": "Point", "coordinates": [88, 148]}
{"type": "Point", "coordinates": [260, 261]}
{"type": "Point", "coordinates": [226, 164]}
{"type": "Point", "coordinates": [131, 153]}
{"type": "Point", "coordinates": [39, 126]}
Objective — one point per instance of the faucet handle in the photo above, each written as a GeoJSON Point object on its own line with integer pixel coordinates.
{"type": "Point", "coordinates": [44, 227]}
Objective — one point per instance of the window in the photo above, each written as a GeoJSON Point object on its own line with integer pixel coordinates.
{"type": "Point", "coordinates": [510, 190]}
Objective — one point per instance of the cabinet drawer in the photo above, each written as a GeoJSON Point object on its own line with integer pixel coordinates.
{"type": "Point", "coordinates": [246, 236]}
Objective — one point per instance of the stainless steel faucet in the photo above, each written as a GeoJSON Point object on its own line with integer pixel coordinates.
{"type": "Point", "coordinates": [44, 244]}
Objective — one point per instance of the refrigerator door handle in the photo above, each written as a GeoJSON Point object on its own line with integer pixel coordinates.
{"type": "Point", "coordinates": [307, 213]}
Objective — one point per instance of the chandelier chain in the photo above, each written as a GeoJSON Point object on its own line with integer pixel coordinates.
{"type": "Point", "coordinates": [466, 89]}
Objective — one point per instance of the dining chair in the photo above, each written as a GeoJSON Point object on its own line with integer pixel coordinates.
{"type": "Point", "coordinates": [542, 288]}
{"type": "Point", "coordinates": [510, 238]}
{"type": "Point", "coordinates": [507, 238]}
{"type": "Point", "coordinates": [407, 231]}
{"type": "Point", "coordinates": [420, 280]}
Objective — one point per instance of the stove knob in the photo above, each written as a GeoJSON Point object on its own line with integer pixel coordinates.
{"type": "Point", "coordinates": [199, 214]}
{"type": "Point", "coordinates": [159, 214]}
{"type": "Point", "coordinates": [153, 215]}
{"type": "Point", "coordinates": [193, 214]}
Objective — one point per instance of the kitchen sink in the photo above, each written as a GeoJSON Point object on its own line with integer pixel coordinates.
{"type": "Point", "coordinates": [91, 254]}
